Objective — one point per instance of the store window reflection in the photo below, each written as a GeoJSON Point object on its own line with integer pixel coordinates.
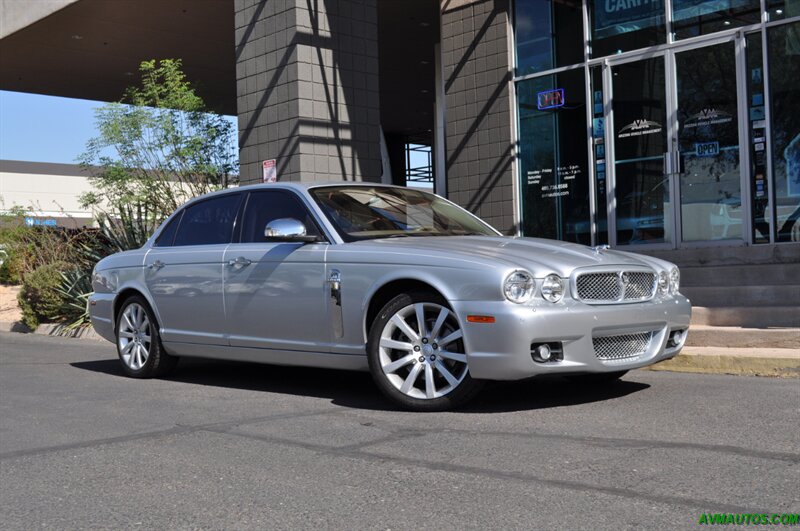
{"type": "Point", "coordinates": [549, 34]}
{"type": "Point", "coordinates": [553, 157]}
{"type": "Point", "coordinates": [784, 65]}
{"type": "Point", "coordinates": [621, 25]}
{"type": "Point", "coordinates": [691, 18]}
{"type": "Point", "coordinates": [708, 118]}
{"type": "Point", "coordinates": [781, 9]}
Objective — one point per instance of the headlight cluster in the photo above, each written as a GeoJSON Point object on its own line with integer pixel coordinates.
{"type": "Point", "coordinates": [669, 282]}
{"type": "Point", "coordinates": [663, 283]}
{"type": "Point", "coordinates": [552, 288]}
{"type": "Point", "coordinates": [674, 280]}
{"type": "Point", "coordinates": [520, 286]}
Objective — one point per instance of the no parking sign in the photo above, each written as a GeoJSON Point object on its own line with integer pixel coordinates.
{"type": "Point", "coordinates": [269, 171]}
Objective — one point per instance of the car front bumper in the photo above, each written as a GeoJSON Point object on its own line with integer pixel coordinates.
{"type": "Point", "coordinates": [101, 311]}
{"type": "Point", "coordinates": [502, 350]}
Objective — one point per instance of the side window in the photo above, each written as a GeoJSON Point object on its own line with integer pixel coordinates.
{"type": "Point", "coordinates": [167, 235]}
{"type": "Point", "coordinates": [209, 222]}
{"type": "Point", "coordinates": [264, 207]}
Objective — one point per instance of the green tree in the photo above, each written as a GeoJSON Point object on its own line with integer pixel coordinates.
{"type": "Point", "coordinates": [156, 148]}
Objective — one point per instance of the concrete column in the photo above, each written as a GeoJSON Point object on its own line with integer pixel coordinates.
{"type": "Point", "coordinates": [478, 120]}
{"type": "Point", "coordinates": [307, 89]}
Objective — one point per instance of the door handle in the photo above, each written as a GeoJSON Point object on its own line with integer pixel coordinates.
{"type": "Point", "coordinates": [158, 264]}
{"type": "Point", "coordinates": [240, 261]}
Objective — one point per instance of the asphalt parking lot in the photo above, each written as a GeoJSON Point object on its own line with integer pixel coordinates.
{"type": "Point", "coordinates": [240, 446]}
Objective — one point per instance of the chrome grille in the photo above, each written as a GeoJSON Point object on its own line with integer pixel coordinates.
{"type": "Point", "coordinates": [615, 286]}
{"type": "Point", "coordinates": [599, 286]}
{"type": "Point", "coordinates": [640, 285]}
{"type": "Point", "coordinates": [622, 347]}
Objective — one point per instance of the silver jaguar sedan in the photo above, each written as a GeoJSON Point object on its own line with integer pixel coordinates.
{"type": "Point", "coordinates": [427, 297]}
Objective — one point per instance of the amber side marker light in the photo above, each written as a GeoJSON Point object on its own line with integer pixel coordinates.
{"type": "Point", "coordinates": [480, 319]}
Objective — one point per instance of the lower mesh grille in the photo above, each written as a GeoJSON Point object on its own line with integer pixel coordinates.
{"type": "Point", "coordinates": [622, 347]}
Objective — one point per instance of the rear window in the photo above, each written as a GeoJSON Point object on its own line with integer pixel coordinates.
{"type": "Point", "coordinates": [167, 236]}
{"type": "Point", "coordinates": [209, 222]}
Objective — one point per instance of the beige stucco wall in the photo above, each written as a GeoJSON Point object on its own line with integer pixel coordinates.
{"type": "Point", "coordinates": [46, 191]}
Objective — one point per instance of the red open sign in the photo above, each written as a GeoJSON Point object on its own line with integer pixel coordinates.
{"type": "Point", "coordinates": [550, 99]}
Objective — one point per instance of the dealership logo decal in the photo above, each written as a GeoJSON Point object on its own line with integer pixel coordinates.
{"type": "Point", "coordinates": [708, 116]}
{"type": "Point", "coordinates": [639, 128]}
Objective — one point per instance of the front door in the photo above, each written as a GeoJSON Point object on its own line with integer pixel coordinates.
{"type": "Point", "coordinates": [276, 293]}
{"type": "Point", "coordinates": [673, 138]}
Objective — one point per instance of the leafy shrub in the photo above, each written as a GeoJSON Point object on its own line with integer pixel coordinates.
{"type": "Point", "coordinates": [29, 248]}
{"type": "Point", "coordinates": [40, 298]}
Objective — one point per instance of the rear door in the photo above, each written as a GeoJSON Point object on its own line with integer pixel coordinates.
{"type": "Point", "coordinates": [275, 292]}
{"type": "Point", "coordinates": [184, 272]}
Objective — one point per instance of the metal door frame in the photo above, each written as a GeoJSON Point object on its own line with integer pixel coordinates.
{"type": "Point", "coordinates": [671, 103]}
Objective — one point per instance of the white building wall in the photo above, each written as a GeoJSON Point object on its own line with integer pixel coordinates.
{"type": "Point", "coordinates": [46, 191]}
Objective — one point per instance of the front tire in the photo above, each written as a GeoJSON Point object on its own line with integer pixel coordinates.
{"type": "Point", "coordinates": [416, 354]}
{"type": "Point", "coordinates": [138, 342]}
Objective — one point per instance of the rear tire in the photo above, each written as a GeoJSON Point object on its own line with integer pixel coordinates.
{"type": "Point", "coordinates": [138, 341]}
{"type": "Point", "coordinates": [416, 354]}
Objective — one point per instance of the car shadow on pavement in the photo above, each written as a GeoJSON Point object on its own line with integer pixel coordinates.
{"type": "Point", "coordinates": [356, 389]}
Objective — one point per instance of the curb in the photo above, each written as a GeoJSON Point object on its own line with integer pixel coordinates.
{"type": "Point", "coordinates": [775, 362]}
{"type": "Point", "coordinates": [52, 329]}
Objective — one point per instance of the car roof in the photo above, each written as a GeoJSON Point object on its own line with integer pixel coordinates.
{"type": "Point", "coordinates": [290, 185]}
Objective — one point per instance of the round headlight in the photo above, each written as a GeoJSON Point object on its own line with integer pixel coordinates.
{"type": "Point", "coordinates": [675, 280]}
{"type": "Point", "coordinates": [663, 283]}
{"type": "Point", "coordinates": [552, 288]}
{"type": "Point", "coordinates": [518, 287]}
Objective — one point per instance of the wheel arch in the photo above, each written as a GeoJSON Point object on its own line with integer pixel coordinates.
{"type": "Point", "coordinates": [126, 293]}
{"type": "Point", "coordinates": [387, 291]}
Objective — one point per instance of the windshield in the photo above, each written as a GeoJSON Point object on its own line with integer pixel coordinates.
{"type": "Point", "coordinates": [366, 212]}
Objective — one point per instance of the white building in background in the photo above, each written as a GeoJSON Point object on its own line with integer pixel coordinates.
{"type": "Point", "coordinates": [50, 193]}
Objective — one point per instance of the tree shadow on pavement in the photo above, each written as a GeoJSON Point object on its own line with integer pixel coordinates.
{"type": "Point", "coordinates": [356, 389]}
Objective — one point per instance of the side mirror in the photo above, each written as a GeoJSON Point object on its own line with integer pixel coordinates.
{"type": "Point", "coordinates": [287, 230]}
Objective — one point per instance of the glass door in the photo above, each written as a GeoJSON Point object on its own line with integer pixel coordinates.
{"type": "Point", "coordinates": [708, 130]}
{"type": "Point", "coordinates": [640, 164]}
{"type": "Point", "coordinates": [674, 160]}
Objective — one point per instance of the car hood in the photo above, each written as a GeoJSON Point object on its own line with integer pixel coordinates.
{"type": "Point", "coordinates": [539, 256]}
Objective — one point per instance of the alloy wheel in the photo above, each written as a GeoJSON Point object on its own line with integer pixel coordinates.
{"type": "Point", "coordinates": [134, 336]}
{"type": "Point", "coordinates": [421, 351]}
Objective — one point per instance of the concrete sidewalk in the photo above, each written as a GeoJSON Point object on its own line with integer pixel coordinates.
{"type": "Point", "coordinates": [780, 362]}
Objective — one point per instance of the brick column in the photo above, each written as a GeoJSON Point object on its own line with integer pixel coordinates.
{"type": "Point", "coordinates": [307, 89]}
{"type": "Point", "coordinates": [478, 120]}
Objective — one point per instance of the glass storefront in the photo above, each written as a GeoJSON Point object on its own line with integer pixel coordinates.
{"type": "Point", "coordinates": [552, 112]}
{"type": "Point", "coordinates": [669, 124]}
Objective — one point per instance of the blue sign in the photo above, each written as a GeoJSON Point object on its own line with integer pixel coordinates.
{"type": "Point", "coordinates": [31, 222]}
{"type": "Point", "coordinates": [706, 149]}
{"type": "Point", "coordinates": [598, 127]}
{"type": "Point", "coordinates": [550, 99]}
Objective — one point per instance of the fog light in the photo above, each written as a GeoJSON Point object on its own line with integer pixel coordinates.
{"type": "Point", "coordinates": [544, 352]}
{"type": "Point", "coordinates": [547, 352]}
{"type": "Point", "coordinates": [676, 338]}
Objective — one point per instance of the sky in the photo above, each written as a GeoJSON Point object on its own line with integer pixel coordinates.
{"type": "Point", "coordinates": [45, 128]}
{"type": "Point", "coordinates": [40, 128]}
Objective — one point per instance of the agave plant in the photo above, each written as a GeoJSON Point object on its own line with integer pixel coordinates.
{"type": "Point", "coordinates": [76, 287]}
